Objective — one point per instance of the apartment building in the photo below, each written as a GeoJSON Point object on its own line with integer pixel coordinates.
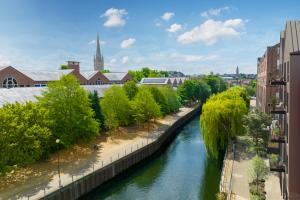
{"type": "Point", "coordinates": [267, 67]}
{"type": "Point", "coordinates": [286, 111]}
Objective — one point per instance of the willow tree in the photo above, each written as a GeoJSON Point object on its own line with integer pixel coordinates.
{"type": "Point", "coordinates": [221, 120]}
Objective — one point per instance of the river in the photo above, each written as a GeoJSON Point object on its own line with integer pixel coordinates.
{"type": "Point", "coordinates": [182, 172]}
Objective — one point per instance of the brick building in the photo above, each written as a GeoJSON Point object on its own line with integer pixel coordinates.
{"type": "Point", "coordinates": [285, 137]}
{"type": "Point", "coordinates": [267, 67]}
{"type": "Point", "coordinates": [11, 77]}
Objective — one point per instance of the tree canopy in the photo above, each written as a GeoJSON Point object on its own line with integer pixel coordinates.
{"type": "Point", "coordinates": [193, 90]}
{"type": "Point", "coordinates": [255, 124]}
{"type": "Point", "coordinates": [146, 72]}
{"type": "Point", "coordinates": [216, 83]}
{"type": "Point", "coordinates": [221, 119]}
{"type": "Point", "coordinates": [24, 134]}
{"type": "Point", "coordinates": [116, 107]}
{"type": "Point", "coordinates": [131, 89]}
{"type": "Point", "coordinates": [144, 106]}
{"type": "Point", "coordinates": [70, 111]}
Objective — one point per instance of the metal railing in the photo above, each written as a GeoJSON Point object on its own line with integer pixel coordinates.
{"type": "Point", "coordinates": [226, 177]}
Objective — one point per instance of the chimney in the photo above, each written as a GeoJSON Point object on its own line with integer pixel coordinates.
{"type": "Point", "coordinates": [74, 65]}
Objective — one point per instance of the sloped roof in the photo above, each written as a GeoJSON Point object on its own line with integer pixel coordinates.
{"type": "Point", "coordinates": [88, 74]}
{"type": "Point", "coordinates": [2, 67]}
{"type": "Point", "coordinates": [154, 80]}
{"type": "Point", "coordinates": [24, 94]}
{"type": "Point", "coordinates": [45, 75]}
{"type": "Point", "coordinates": [115, 76]}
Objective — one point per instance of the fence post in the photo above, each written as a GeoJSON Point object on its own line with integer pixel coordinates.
{"type": "Point", "coordinates": [93, 167]}
{"type": "Point", "coordinates": [102, 163]}
{"type": "Point", "coordinates": [118, 156]}
{"type": "Point", "coordinates": [125, 152]}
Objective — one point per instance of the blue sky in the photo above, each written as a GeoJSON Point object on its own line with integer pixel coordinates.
{"type": "Point", "coordinates": [193, 36]}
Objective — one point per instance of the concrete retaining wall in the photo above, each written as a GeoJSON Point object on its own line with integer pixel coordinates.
{"type": "Point", "coordinates": [95, 179]}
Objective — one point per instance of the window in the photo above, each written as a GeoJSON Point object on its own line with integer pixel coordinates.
{"type": "Point", "coordinates": [99, 82]}
{"type": "Point", "coordinates": [10, 82]}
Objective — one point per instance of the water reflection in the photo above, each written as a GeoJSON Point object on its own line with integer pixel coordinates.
{"type": "Point", "coordinates": [182, 172]}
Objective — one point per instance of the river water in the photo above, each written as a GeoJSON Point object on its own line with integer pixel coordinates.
{"type": "Point", "coordinates": [182, 172]}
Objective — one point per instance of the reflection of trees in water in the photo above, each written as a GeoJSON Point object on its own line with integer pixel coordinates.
{"type": "Point", "coordinates": [142, 176]}
{"type": "Point", "coordinates": [211, 179]}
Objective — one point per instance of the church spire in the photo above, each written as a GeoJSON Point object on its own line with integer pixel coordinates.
{"type": "Point", "coordinates": [98, 59]}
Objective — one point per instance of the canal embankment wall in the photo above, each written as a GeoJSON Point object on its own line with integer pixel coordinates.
{"type": "Point", "coordinates": [93, 180]}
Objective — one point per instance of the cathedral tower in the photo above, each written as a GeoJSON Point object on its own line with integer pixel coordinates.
{"type": "Point", "coordinates": [98, 58]}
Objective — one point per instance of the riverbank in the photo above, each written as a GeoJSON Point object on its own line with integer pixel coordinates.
{"type": "Point", "coordinates": [40, 179]}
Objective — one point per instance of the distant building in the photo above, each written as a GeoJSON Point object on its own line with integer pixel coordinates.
{"type": "Point", "coordinates": [237, 72]}
{"type": "Point", "coordinates": [98, 58]}
{"type": "Point", "coordinates": [174, 82]}
{"type": "Point", "coordinates": [11, 77]}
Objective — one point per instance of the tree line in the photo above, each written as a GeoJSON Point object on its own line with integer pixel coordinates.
{"type": "Point", "coordinates": [67, 112]}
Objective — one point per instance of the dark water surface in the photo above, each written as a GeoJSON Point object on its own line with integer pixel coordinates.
{"type": "Point", "coordinates": [182, 172]}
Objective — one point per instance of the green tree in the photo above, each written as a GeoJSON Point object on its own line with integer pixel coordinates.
{"type": "Point", "coordinates": [144, 106]}
{"type": "Point", "coordinates": [256, 123]}
{"type": "Point", "coordinates": [116, 108]}
{"type": "Point", "coordinates": [69, 110]}
{"type": "Point", "coordinates": [105, 71]}
{"type": "Point", "coordinates": [131, 89]}
{"type": "Point", "coordinates": [24, 134]}
{"type": "Point", "coordinates": [221, 120]}
{"type": "Point", "coordinates": [172, 99]}
{"type": "Point", "coordinates": [193, 90]}
{"type": "Point", "coordinates": [95, 105]}
{"type": "Point", "coordinates": [64, 66]}
{"type": "Point", "coordinates": [216, 83]}
{"type": "Point", "coordinates": [259, 170]}
{"type": "Point", "coordinates": [159, 98]}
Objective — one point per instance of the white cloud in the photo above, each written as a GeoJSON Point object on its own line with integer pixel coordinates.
{"type": "Point", "coordinates": [127, 43]}
{"type": "Point", "coordinates": [211, 31]}
{"type": "Point", "coordinates": [167, 16]}
{"type": "Point", "coordinates": [192, 58]}
{"type": "Point", "coordinates": [214, 12]}
{"type": "Point", "coordinates": [115, 17]}
{"type": "Point", "coordinates": [174, 28]}
{"type": "Point", "coordinates": [125, 59]}
{"type": "Point", "coordinates": [94, 42]}
{"type": "Point", "coordinates": [4, 61]}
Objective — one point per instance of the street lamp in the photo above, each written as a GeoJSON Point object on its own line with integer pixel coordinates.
{"type": "Point", "coordinates": [58, 167]}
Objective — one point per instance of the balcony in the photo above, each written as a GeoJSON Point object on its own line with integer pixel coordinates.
{"type": "Point", "coordinates": [273, 148]}
{"type": "Point", "coordinates": [277, 138]}
{"type": "Point", "coordinates": [276, 134]}
{"type": "Point", "coordinates": [277, 82]}
{"type": "Point", "coordinates": [277, 167]}
{"type": "Point", "coordinates": [278, 109]}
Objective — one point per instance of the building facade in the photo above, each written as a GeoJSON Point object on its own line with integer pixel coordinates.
{"type": "Point", "coordinates": [285, 136]}
{"type": "Point", "coordinates": [267, 67]}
